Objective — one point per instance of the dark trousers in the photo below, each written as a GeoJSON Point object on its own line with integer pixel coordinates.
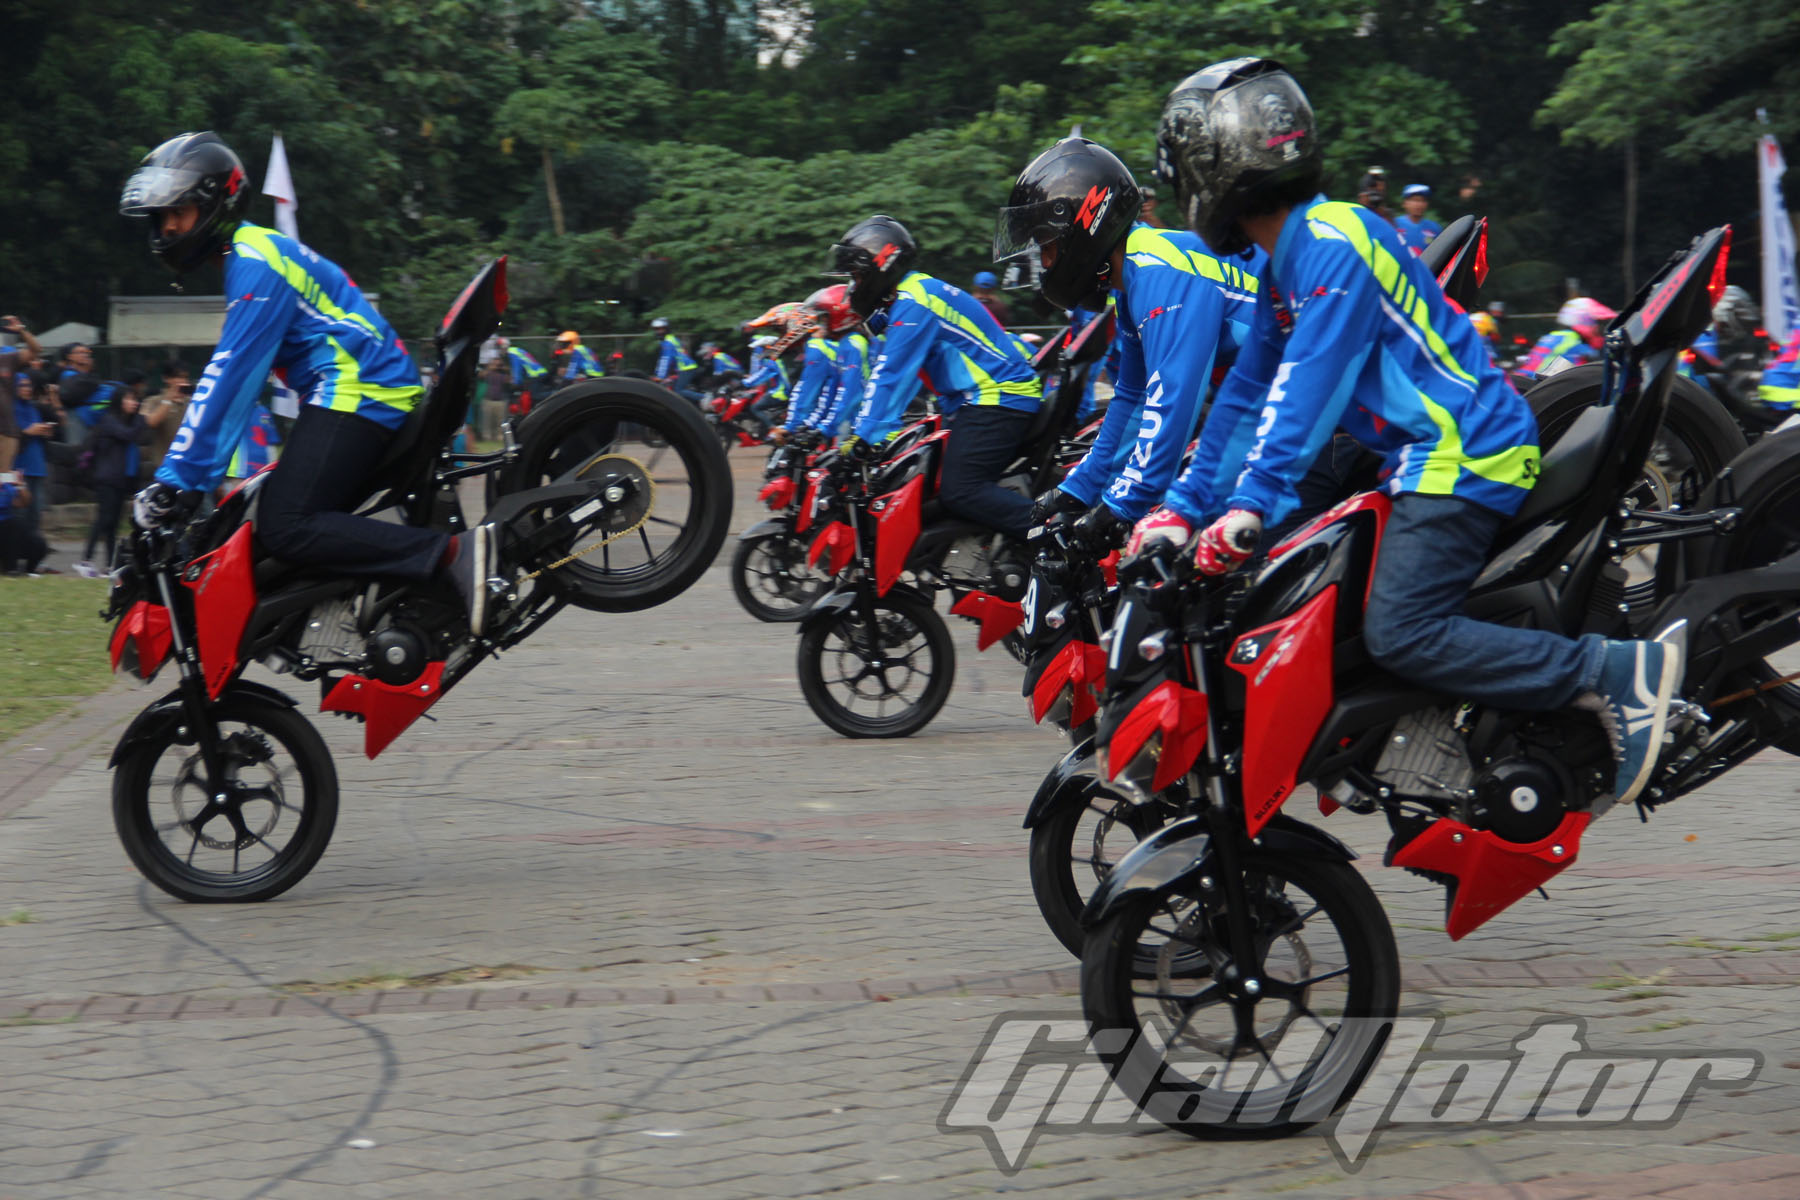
{"type": "Point", "coordinates": [1433, 549]}
{"type": "Point", "coordinates": [21, 547]}
{"type": "Point", "coordinates": [325, 471]}
{"type": "Point", "coordinates": [109, 502]}
{"type": "Point", "coordinates": [984, 440]}
{"type": "Point", "coordinates": [767, 411]}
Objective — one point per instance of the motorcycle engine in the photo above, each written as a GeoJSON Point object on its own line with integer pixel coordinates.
{"type": "Point", "coordinates": [973, 563]}
{"type": "Point", "coordinates": [330, 635]}
{"type": "Point", "coordinates": [1424, 756]}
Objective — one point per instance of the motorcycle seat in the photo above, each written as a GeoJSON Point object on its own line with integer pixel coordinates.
{"type": "Point", "coordinates": [1568, 467]}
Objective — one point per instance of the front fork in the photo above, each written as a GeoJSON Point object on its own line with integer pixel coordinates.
{"type": "Point", "coordinates": [195, 704]}
{"type": "Point", "coordinates": [1224, 814]}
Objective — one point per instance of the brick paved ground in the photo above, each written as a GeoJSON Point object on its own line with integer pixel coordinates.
{"type": "Point", "coordinates": [627, 917]}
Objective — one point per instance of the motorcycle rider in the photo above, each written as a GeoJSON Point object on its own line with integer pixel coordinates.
{"type": "Point", "coordinates": [530, 378]}
{"type": "Point", "coordinates": [675, 367]}
{"type": "Point", "coordinates": [767, 372]}
{"type": "Point", "coordinates": [1781, 378]}
{"type": "Point", "coordinates": [297, 312]}
{"type": "Point", "coordinates": [818, 382]}
{"type": "Point", "coordinates": [987, 390]}
{"type": "Point", "coordinates": [1180, 313]}
{"type": "Point", "coordinates": [839, 324]}
{"type": "Point", "coordinates": [723, 370]}
{"type": "Point", "coordinates": [579, 362]}
{"type": "Point", "coordinates": [1351, 330]}
{"type": "Point", "coordinates": [1583, 319]}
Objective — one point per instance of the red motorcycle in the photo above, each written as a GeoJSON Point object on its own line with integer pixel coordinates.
{"type": "Point", "coordinates": [875, 659]}
{"type": "Point", "coordinates": [1241, 968]}
{"type": "Point", "coordinates": [727, 410]}
{"type": "Point", "coordinates": [614, 497]}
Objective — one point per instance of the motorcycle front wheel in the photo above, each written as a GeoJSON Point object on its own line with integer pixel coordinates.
{"type": "Point", "coordinates": [885, 680]}
{"type": "Point", "coordinates": [1198, 1049]}
{"type": "Point", "coordinates": [1076, 845]}
{"type": "Point", "coordinates": [665, 536]}
{"type": "Point", "coordinates": [771, 578]}
{"type": "Point", "coordinates": [253, 840]}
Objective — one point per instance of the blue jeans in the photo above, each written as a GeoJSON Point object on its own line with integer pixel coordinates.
{"type": "Point", "coordinates": [984, 440]}
{"type": "Point", "coordinates": [1414, 626]}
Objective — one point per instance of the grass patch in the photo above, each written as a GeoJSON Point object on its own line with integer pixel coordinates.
{"type": "Point", "coordinates": [1636, 984]}
{"type": "Point", "coordinates": [388, 981]}
{"type": "Point", "coordinates": [18, 916]}
{"type": "Point", "coordinates": [20, 1019]}
{"type": "Point", "coordinates": [1664, 1026]}
{"type": "Point", "coordinates": [52, 647]}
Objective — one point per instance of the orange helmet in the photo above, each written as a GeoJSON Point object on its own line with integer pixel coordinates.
{"type": "Point", "coordinates": [1485, 325]}
{"type": "Point", "coordinates": [789, 322]}
{"type": "Point", "coordinates": [566, 340]}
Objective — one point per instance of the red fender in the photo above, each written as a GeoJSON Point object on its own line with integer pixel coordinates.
{"type": "Point", "coordinates": [998, 617]}
{"type": "Point", "coordinates": [1490, 872]}
{"type": "Point", "coordinates": [142, 640]}
{"type": "Point", "coordinates": [386, 708]}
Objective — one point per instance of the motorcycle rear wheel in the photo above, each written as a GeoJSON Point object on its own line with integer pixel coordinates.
{"type": "Point", "coordinates": [660, 437]}
{"type": "Point", "coordinates": [771, 579]}
{"type": "Point", "coordinates": [1321, 1016]}
{"type": "Point", "coordinates": [166, 821]}
{"type": "Point", "coordinates": [1766, 484]}
{"type": "Point", "coordinates": [918, 665]}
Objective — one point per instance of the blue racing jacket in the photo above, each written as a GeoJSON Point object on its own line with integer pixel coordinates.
{"type": "Point", "coordinates": [723, 364]}
{"type": "Point", "coordinates": [287, 308]}
{"type": "Point", "coordinates": [852, 376]}
{"type": "Point", "coordinates": [526, 370]}
{"type": "Point", "coordinates": [581, 363]}
{"type": "Point", "coordinates": [1781, 379]}
{"type": "Point", "coordinates": [671, 359]}
{"type": "Point", "coordinates": [1556, 351]}
{"type": "Point", "coordinates": [966, 355]}
{"type": "Point", "coordinates": [1351, 331]}
{"type": "Point", "coordinates": [818, 381]}
{"type": "Point", "coordinates": [1181, 312]}
{"type": "Point", "coordinates": [770, 372]}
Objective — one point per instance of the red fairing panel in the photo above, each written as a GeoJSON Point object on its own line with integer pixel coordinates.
{"type": "Point", "coordinates": [142, 640]}
{"type": "Point", "coordinates": [1491, 872]}
{"type": "Point", "coordinates": [386, 708]}
{"type": "Point", "coordinates": [1379, 503]}
{"type": "Point", "coordinates": [896, 531]}
{"type": "Point", "coordinates": [1080, 668]}
{"type": "Point", "coordinates": [777, 493]}
{"type": "Point", "coordinates": [224, 597]}
{"type": "Point", "coordinates": [997, 617]}
{"type": "Point", "coordinates": [1288, 666]}
{"type": "Point", "coordinates": [1178, 714]}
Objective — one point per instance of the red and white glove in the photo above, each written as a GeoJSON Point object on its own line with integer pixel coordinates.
{"type": "Point", "coordinates": [1161, 525]}
{"type": "Point", "coordinates": [1227, 542]}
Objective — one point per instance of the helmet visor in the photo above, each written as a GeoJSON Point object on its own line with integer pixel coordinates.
{"type": "Point", "coordinates": [843, 260]}
{"type": "Point", "coordinates": [1021, 229]}
{"type": "Point", "coordinates": [152, 188]}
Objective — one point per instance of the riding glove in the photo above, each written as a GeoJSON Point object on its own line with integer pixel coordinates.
{"type": "Point", "coordinates": [1228, 541]}
{"type": "Point", "coordinates": [1161, 525]}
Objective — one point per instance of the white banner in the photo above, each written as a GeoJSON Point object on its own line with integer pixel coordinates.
{"type": "Point", "coordinates": [280, 184]}
{"type": "Point", "coordinates": [1781, 291]}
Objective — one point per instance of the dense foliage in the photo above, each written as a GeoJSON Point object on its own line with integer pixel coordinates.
{"type": "Point", "coordinates": [695, 157]}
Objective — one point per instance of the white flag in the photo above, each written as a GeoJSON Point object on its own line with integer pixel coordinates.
{"type": "Point", "coordinates": [279, 184]}
{"type": "Point", "coordinates": [1781, 292]}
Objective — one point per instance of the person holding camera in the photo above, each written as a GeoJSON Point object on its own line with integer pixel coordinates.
{"type": "Point", "coordinates": [163, 413]}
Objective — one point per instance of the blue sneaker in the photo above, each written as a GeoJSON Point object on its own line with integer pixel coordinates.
{"type": "Point", "coordinates": [1637, 681]}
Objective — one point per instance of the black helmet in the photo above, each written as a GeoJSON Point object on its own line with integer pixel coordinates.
{"type": "Point", "coordinates": [1078, 197]}
{"type": "Point", "coordinates": [1735, 316]}
{"type": "Point", "coordinates": [190, 168]}
{"type": "Point", "coordinates": [1237, 138]}
{"type": "Point", "coordinates": [875, 256]}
